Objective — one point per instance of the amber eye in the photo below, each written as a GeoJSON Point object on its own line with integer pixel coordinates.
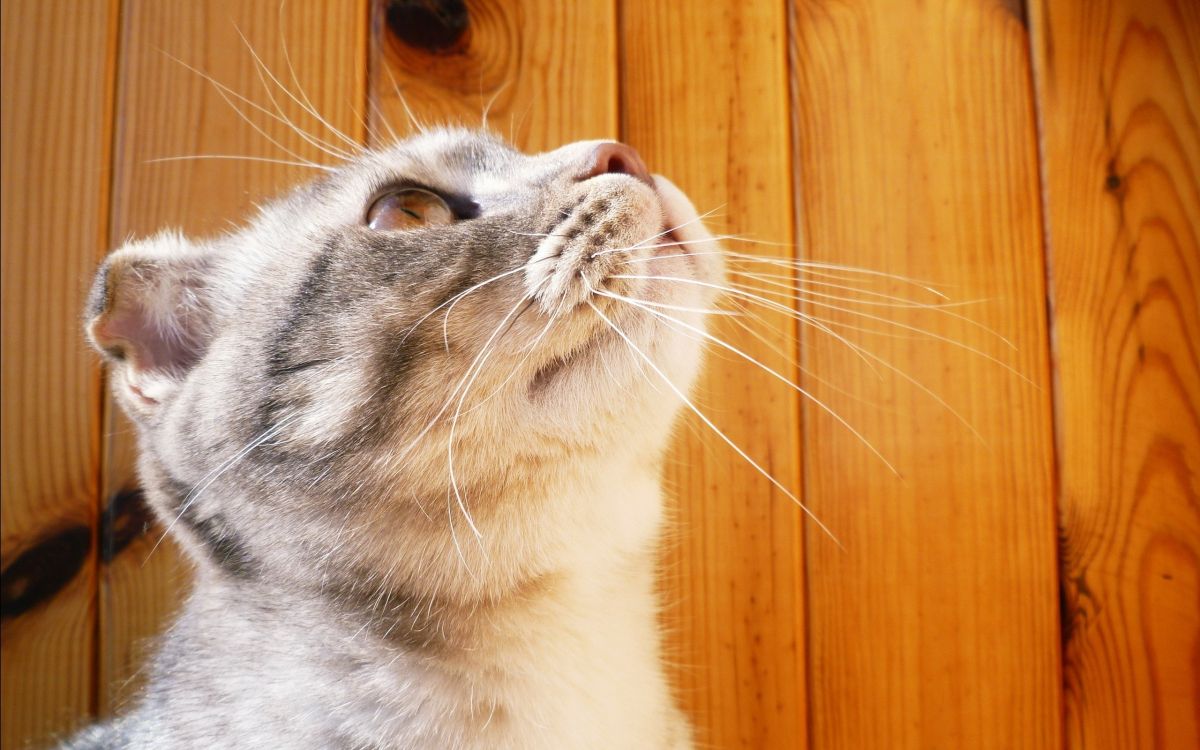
{"type": "Point", "coordinates": [408, 208]}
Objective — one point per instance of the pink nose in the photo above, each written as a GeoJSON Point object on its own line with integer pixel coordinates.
{"type": "Point", "coordinates": [615, 158]}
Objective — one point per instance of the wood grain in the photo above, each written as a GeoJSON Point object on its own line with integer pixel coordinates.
{"type": "Point", "coordinates": [937, 625]}
{"type": "Point", "coordinates": [704, 98]}
{"type": "Point", "coordinates": [898, 137]}
{"type": "Point", "coordinates": [167, 110]}
{"type": "Point", "coordinates": [1119, 90]}
{"type": "Point", "coordinates": [56, 134]}
{"type": "Point", "coordinates": [544, 71]}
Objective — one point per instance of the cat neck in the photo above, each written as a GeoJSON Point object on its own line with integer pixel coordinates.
{"type": "Point", "coordinates": [574, 651]}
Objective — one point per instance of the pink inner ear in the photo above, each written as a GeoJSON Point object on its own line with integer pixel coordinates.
{"type": "Point", "coordinates": [146, 344]}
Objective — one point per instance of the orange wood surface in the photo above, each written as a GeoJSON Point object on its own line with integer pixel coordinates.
{"type": "Point", "coordinates": [704, 98]}
{"type": "Point", "coordinates": [917, 155]}
{"type": "Point", "coordinates": [326, 43]}
{"type": "Point", "coordinates": [56, 130]}
{"type": "Point", "coordinates": [543, 71]}
{"type": "Point", "coordinates": [1119, 83]}
{"type": "Point", "coordinates": [1038, 166]}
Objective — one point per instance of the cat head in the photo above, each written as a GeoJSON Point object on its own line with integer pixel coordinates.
{"type": "Point", "coordinates": [425, 359]}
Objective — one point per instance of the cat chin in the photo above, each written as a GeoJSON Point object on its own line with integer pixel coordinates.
{"type": "Point", "coordinates": [688, 252]}
{"type": "Point", "coordinates": [688, 236]}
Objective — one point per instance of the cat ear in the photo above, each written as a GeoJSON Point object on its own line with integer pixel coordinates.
{"type": "Point", "coordinates": [149, 313]}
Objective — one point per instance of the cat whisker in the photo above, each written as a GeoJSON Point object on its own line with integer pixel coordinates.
{"type": "Point", "coordinates": [842, 325]}
{"type": "Point", "coordinates": [237, 157]}
{"type": "Point", "coordinates": [770, 304]}
{"type": "Point", "coordinates": [454, 299]}
{"type": "Point", "coordinates": [663, 233]}
{"type": "Point", "coordinates": [765, 368]}
{"type": "Point", "coordinates": [704, 418]}
{"type": "Point", "coordinates": [826, 326]}
{"type": "Point", "coordinates": [663, 305]}
{"type": "Point", "coordinates": [648, 258]}
{"type": "Point", "coordinates": [862, 351]}
{"type": "Point", "coordinates": [306, 102]}
{"type": "Point", "coordinates": [472, 375]}
{"type": "Point", "coordinates": [529, 350]}
{"type": "Point", "coordinates": [785, 356]}
{"type": "Point", "coordinates": [459, 298]}
{"type": "Point", "coordinates": [464, 381]}
{"type": "Point", "coordinates": [487, 108]}
{"type": "Point", "coordinates": [412, 118]}
{"type": "Point", "coordinates": [677, 243]}
{"type": "Point", "coordinates": [821, 326]}
{"type": "Point", "coordinates": [637, 362]}
{"type": "Point", "coordinates": [794, 280]}
{"type": "Point", "coordinates": [927, 333]}
{"type": "Point", "coordinates": [381, 116]}
{"type": "Point", "coordinates": [801, 294]}
{"type": "Point", "coordinates": [801, 315]}
{"type": "Point", "coordinates": [812, 264]}
{"type": "Point", "coordinates": [797, 268]}
{"type": "Point", "coordinates": [520, 123]}
{"type": "Point", "coordinates": [215, 474]}
{"type": "Point", "coordinates": [793, 266]}
{"type": "Point", "coordinates": [225, 92]}
{"type": "Point", "coordinates": [263, 73]}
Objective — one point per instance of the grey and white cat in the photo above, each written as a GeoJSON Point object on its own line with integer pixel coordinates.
{"type": "Point", "coordinates": [411, 435]}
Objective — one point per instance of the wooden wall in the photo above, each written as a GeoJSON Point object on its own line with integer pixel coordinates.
{"type": "Point", "coordinates": [1028, 575]}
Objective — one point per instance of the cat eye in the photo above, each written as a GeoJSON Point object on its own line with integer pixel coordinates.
{"type": "Point", "coordinates": [408, 208]}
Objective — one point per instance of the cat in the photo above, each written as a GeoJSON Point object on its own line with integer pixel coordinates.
{"type": "Point", "coordinates": [409, 424]}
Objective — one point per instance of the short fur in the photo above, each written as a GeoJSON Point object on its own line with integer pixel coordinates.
{"type": "Point", "coordinates": [383, 561]}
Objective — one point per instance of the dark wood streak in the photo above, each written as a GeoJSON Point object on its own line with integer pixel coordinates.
{"type": "Point", "coordinates": [1017, 9]}
{"type": "Point", "coordinates": [436, 26]}
{"type": "Point", "coordinates": [43, 570]}
{"type": "Point", "coordinates": [125, 518]}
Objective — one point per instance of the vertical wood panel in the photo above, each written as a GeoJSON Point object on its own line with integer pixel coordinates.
{"type": "Point", "coordinates": [1119, 93]}
{"type": "Point", "coordinates": [545, 71]}
{"type": "Point", "coordinates": [936, 627]}
{"type": "Point", "coordinates": [56, 135]}
{"type": "Point", "coordinates": [915, 154]}
{"type": "Point", "coordinates": [166, 110]}
{"type": "Point", "coordinates": [704, 98]}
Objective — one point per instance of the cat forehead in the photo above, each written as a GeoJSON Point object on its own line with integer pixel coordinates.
{"type": "Point", "coordinates": [470, 161]}
{"type": "Point", "coordinates": [444, 156]}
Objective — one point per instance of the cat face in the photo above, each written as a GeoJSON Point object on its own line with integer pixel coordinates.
{"type": "Point", "coordinates": [425, 343]}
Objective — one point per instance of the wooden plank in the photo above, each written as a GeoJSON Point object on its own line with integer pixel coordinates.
{"type": "Point", "coordinates": [544, 71]}
{"type": "Point", "coordinates": [937, 625]}
{"type": "Point", "coordinates": [167, 110]}
{"type": "Point", "coordinates": [1119, 94]}
{"type": "Point", "coordinates": [704, 97]}
{"type": "Point", "coordinates": [56, 135]}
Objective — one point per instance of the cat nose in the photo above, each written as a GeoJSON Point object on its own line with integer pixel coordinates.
{"type": "Point", "coordinates": [615, 158]}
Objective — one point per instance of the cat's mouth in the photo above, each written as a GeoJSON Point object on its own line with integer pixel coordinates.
{"type": "Point", "coordinates": [549, 372]}
{"type": "Point", "coordinates": [670, 242]}
{"type": "Point", "coordinates": [625, 280]}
